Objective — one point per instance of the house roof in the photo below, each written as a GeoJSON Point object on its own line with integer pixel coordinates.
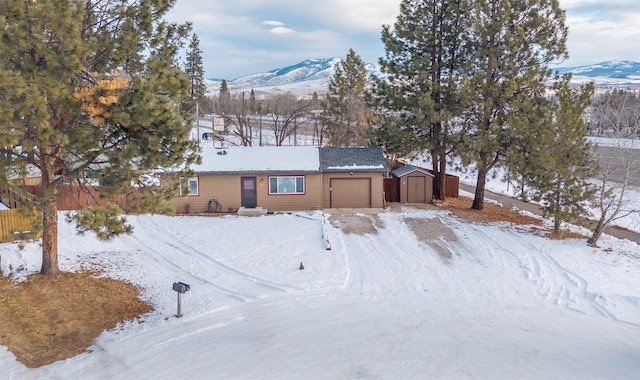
{"type": "Point", "coordinates": [352, 159]}
{"type": "Point", "coordinates": [408, 169]}
{"type": "Point", "coordinates": [288, 159]}
{"type": "Point", "coordinates": [255, 159]}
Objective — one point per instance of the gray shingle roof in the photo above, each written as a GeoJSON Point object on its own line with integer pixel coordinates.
{"type": "Point", "coordinates": [404, 170]}
{"type": "Point", "coordinates": [353, 159]}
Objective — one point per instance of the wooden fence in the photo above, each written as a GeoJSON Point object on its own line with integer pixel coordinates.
{"type": "Point", "coordinates": [75, 198]}
{"type": "Point", "coordinates": [15, 227]}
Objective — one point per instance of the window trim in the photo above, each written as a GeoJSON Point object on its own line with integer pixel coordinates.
{"type": "Point", "coordinates": [294, 177]}
{"type": "Point", "coordinates": [188, 186]}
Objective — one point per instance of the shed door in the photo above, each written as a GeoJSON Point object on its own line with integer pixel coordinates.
{"type": "Point", "coordinates": [416, 189]}
{"type": "Point", "coordinates": [249, 192]}
{"type": "Point", "coordinates": [350, 192]}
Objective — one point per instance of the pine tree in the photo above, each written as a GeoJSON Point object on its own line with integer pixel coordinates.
{"type": "Point", "coordinates": [514, 42]}
{"type": "Point", "coordinates": [561, 178]}
{"type": "Point", "coordinates": [91, 86]}
{"type": "Point", "coordinates": [224, 99]}
{"type": "Point", "coordinates": [194, 69]}
{"type": "Point", "coordinates": [345, 114]}
{"type": "Point", "coordinates": [425, 54]}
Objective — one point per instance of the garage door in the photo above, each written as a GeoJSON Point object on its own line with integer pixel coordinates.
{"type": "Point", "coordinates": [350, 192]}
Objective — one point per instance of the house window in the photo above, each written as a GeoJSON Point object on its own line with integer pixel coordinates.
{"type": "Point", "coordinates": [189, 186]}
{"type": "Point", "coordinates": [286, 185]}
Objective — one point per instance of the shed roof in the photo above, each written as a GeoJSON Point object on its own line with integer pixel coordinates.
{"type": "Point", "coordinates": [408, 169]}
{"type": "Point", "coordinates": [352, 159]}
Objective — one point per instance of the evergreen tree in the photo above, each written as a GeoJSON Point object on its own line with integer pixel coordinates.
{"type": "Point", "coordinates": [224, 99]}
{"type": "Point", "coordinates": [425, 54]}
{"type": "Point", "coordinates": [514, 42]}
{"type": "Point", "coordinates": [195, 71]}
{"type": "Point", "coordinates": [91, 86]}
{"type": "Point", "coordinates": [561, 178]}
{"type": "Point", "coordinates": [345, 114]}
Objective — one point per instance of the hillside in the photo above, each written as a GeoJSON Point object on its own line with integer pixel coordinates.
{"type": "Point", "coordinates": [312, 75]}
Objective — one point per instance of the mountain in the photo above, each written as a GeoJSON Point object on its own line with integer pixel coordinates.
{"type": "Point", "coordinates": [312, 75]}
{"type": "Point", "coordinates": [610, 69]}
{"type": "Point", "coordinates": [301, 79]}
{"type": "Point", "coordinates": [304, 78]}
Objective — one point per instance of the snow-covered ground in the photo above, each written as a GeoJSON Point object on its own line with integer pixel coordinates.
{"type": "Point", "coordinates": [506, 304]}
{"type": "Point", "coordinates": [475, 302]}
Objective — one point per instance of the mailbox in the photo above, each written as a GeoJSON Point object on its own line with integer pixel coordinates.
{"type": "Point", "coordinates": [180, 287]}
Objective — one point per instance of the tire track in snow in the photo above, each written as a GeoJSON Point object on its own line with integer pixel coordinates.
{"type": "Point", "coordinates": [195, 265]}
{"type": "Point", "coordinates": [198, 252]}
{"type": "Point", "coordinates": [547, 278]}
{"type": "Point", "coordinates": [375, 267]}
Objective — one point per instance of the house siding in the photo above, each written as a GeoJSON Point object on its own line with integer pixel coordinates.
{"type": "Point", "coordinates": [425, 191]}
{"type": "Point", "coordinates": [225, 188]}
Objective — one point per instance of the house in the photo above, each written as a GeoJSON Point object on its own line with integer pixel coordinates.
{"type": "Point", "coordinates": [284, 178]}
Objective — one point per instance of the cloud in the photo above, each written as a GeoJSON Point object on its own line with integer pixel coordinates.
{"type": "Point", "coordinates": [273, 23]}
{"type": "Point", "coordinates": [281, 30]}
{"type": "Point", "coordinates": [242, 37]}
{"type": "Point", "coordinates": [601, 31]}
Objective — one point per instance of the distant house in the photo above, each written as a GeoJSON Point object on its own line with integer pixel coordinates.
{"type": "Point", "coordinates": [284, 178]}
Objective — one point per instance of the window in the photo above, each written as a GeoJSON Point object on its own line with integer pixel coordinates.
{"type": "Point", "coordinates": [286, 185]}
{"type": "Point", "coordinates": [190, 186]}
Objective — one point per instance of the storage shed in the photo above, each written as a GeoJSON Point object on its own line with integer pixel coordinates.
{"type": "Point", "coordinates": [415, 185]}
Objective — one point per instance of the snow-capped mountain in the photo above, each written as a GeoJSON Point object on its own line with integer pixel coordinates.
{"type": "Point", "coordinates": [304, 78]}
{"type": "Point", "coordinates": [607, 75]}
{"type": "Point", "coordinates": [301, 79]}
{"type": "Point", "coordinates": [312, 75]}
{"type": "Point", "coordinates": [609, 69]}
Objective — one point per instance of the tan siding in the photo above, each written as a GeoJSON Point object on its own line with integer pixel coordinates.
{"type": "Point", "coordinates": [423, 193]}
{"type": "Point", "coordinates": [226, 190]}
{"type": "Point", "coordinates": [310, 200]}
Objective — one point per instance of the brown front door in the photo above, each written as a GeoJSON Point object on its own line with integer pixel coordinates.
{"type": "Point", "coordinates": [249, 195]}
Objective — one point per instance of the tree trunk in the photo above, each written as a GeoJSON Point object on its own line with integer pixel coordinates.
{"type": "Point", "coordinates": [597, 232]}
{"type": "Point", "coordinates": [478, 200]}
{"type": "Point", "coordinates": [49, 223]}
{"type": "Point", "coordinates": [441, 178]}
{"type": "Point", "coordinates": [556, 212]}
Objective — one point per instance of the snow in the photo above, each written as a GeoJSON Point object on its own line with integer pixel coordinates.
{"type": "Point", "coordinates": [507, 304]}
{"type": "Point", "coordinates": [258, 158]}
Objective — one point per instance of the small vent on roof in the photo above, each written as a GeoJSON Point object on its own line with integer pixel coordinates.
{"type": "Point", "coordinates": [222, 152]}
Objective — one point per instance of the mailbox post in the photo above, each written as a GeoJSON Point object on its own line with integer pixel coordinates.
{"type": "Point", "coordinates": [180, 288]}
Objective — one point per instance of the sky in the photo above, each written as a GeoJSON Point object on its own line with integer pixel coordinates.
{"type": "Point", "coordinates": [243, 37]}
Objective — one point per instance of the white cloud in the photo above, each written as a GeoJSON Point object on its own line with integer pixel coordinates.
{"type": "Point", "coordinates": [233, 32]}
{"type": "Point", "coordinates": [273, 23]}
{"type": "Point", "coordinates": [281, 30]}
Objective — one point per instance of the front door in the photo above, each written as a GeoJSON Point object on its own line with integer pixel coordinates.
{"type": "Point", "coordinates": [248, 188]}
